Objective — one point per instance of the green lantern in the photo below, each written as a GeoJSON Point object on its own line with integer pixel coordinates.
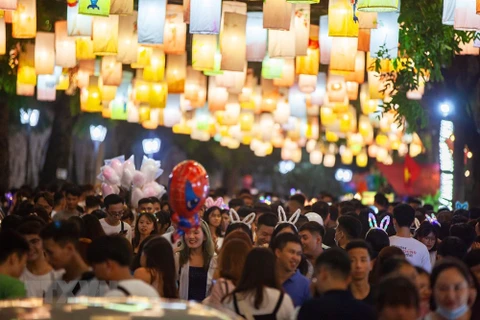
{"type": "Point", "coordinates": [377, 5]}
{"type": "Point", "coordinates": [272, 68]}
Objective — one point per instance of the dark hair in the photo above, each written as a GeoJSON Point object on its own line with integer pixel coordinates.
{"type": "Point", "coordinates": [420, 271]}
{"type": "Point", "coordinates": [281, 241]}
{"type": "Point", "coordinates": [280, 227]}
{"type": "Point", "coordinates": [155, 200]}
{"type": "Point", "coordinates": [301, 221]}
{"type": "Point", "coordinates": [381, 199]}
{"type": "Point", "coordinates": [30, 227]}
{"type": "Point", "coordinates": [267, 219]}
{"type": "Point", "coordinates": [42, 214]}
{"type": "Point", "coordinates": [239, 226]}
{"type": "Point", "coordinates": [313, 227]}
{"type": "Point", "coordinates": [391, 265]}
{"type": "Point", "coordinates": [378, 239]}
{"type": "Point", "coordinates": [425, 229]}
{"type": "Point", "coordinates": [351, 226]}
{"type": "Point", "coordinates": [11, 222]}
{"type": "Point", "coordinates": [206, 216]}
{"type": "Point", "coordinates": [359, 244]}
{"type": "Point", "coordinates": [57, 198]}
{"type": "Point", "coordinates": [208, 247]}
{"type": "Point", "coordinates": [337, 262]}
{"type": "Point", "coordinates": [298, 198]}
{"type": "Point", "coordinates": [237, 234]}
{"type": "Point", "coordinates": [231, 259]}
{"type": "Point", "coordinates": [144, 201]}
{"type": "Point", "coordinates": [235, 203]}
{"type": "Point", "coordinates": [258, 273]}
{"type": "Point", "coordinates": [93, 228]}
{"type": "Point", "coordinates": [45, 195]}
{"type": "Point", "coordinates": [79, 224]}
{"type": "Point", "coordinates": [74, 191]}
{"type": "Point", "coordinates": [474, 213]}
{"type": "Point", "coordinates": [472, 258]}
{"type": "Point", "coordinates": [458, 219]}
{"type": "Point", "coordinates": [465, 232]}
{"type": "Point", "coordinates": [165, 203]}
{"type": "Point", "coordinates": [92, 202]}
{"type": "Point", "coordinates": [128, 214]}
{"type": "Point", "coordinates": [384, 255]}
{"type": "Point", "coordinates": [12, 243]}
{"type": "Point", "coordinates": [113, 247]}
{"type": "Point", "coordinates": [163, 217]}
{"type": "Point", "coordinates": [61, 232]}
{"type": "Point", "coordinates": [261, 208]}
{"type": "Point", "coordinates": [112, 199]}
{"type": "Point", "coordinates": [159, 257]}
{"type": "Point", "coordinates": [24, 208]}
{"type": "Point", "coordinates": [345, 207]}
{"type": "Point", "coordinates": [321, 208]}
{"type": "Point", "coordinates": [462, 212]}
{"type": "Point", "coordinates": [397, 291]}
{"type": "Point", "coordinates": [404, 215]}
{"type": "Point", "coordinates": [244, 211]}
{"type": "Point", "coordinates": [152, 218]}
{"type": "Point", "coordinates": [452, 247]}
{"type": "Point", "coordinates": [99, 214]}
{"type": "Point", "coordinates": [136, 259]}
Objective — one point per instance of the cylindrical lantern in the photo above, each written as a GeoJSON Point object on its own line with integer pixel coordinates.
{"type": "Point", "coordinates": [362, 159]}
{"type": "Point", "coordinates": [280, 43]}
{"type": "Point", "coordinates": [64, 46]}
{"type": "Point", "coordinates": [272, 67]}
{"type": "Point", "coordinates": [175, 31]}
{"type": "Point", "coordinates": [144, 55]}
{"type": "Point", "coordinates": [309, 64]}
{"type": "Point", "coordinates": [386, 35]}
{"type": "Point", "coordinates": [45, 53]}
{"type": "Point", "coordinates": [367, 20]}
{"type": "Point", "coordinates": [111, 71]}
{"type": "Point", "coordinates": [105, 35]}
{"type": "Point", "coordinates": [344, 52]}
{"type": "Point", "coordinates": [307, 83]}
{"type": "Point", "coordinates": [46, 87]}
{"type": "Point", "coordinates": [277, 14]}
{"type": "Point", "coordinates": [94, 8]}
{"type": "Point", "coordinates": [84, 49]}
{"type": "Point", "coordinates": [176, 73]}
{"type": "Point", "coordinates": [79, 25]}
{"type": "Point", "coordinates": [8, 5]}
{"type": "Point", "coordinates": [256, 37]}
{"type": "Point", "coordinates": [358, 75]}
{"type": "Point", "coordinates": [217, 96]}
{"type": "Point", "coordinates": [90, 97]}
{"type": "Point", "coordinates": [287, 78]}
{"type": "Point", "coordinates": [3, 36]}
{"type": "Point", "coordinates": [127, 39]}
{"type": "Point", "coordinates": [302, 28]}
{"type": "Point", "coordinates": [375, 85]}
{"type": "Point", "coordinates": [205, 16]}
{"type": "Point", "coordinates": [316, 157]}
{"type": "Point", "coordinates": [151, 21]}
{"type": "Point", "coordinates": [204, 47]}
{"type": "Point", "coordinates": [24, 20]}
{"type": "Point", "coordinates": [364, 40]}
{"type": "Point", "coordinates": [121, 7]}
{"type": "Point", "coordinates": [233, 45]}
{"type": "Point", "coordinates": [352, 90]}
{"type": "Point", "coordinates": [282, 113]}
{"type": "Point", "coordinates": [346, 156]}
{"type": "Point", "coordinates": [329, 160]}
{"type": "Point", "coordinates": [377, 5]}
{"type": "Point", "coordinates": [195, 87]}
{"type": "Point", "coordinates": [336, 88]}
{"type": "Point", "coordinates": [25, 90]}
{"type": "Point", "coordinates": [343, 24]}
{"type": "Point", "coordinates": [155, 71]}
{"type": "Point", "coordinates": [325, 40]}
{"type": "Point", "coordinates": [26, 66]}
{"type": "Point", "coordinates": [157, 97]}
{"type": "Point", "coordinates": [448, 15]}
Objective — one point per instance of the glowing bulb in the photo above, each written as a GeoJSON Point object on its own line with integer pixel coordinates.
{"type": "Point", "coordinates": [467, 173]}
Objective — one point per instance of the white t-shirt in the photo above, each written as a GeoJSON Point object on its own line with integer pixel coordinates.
{"type": "Point", "coordinates": [117, 229]}
{"type": "Point", "coordinates": [415, 251]}
{"type": "Point", "coordinates": [134, 287]}
{"type": "Point", "coordinates": [37, 285]}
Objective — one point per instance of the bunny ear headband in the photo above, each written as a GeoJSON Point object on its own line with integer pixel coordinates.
{"type": "Point", "coordinates": [282, 217]}
{"type": "Point", "coordinates": [217, 203]}
{"type": "Point", "coordinates": [432, 219]}
{"type": "Point", "coordinates": [372, 222]}
{"type": "Point", "coordinates": [235, 218]}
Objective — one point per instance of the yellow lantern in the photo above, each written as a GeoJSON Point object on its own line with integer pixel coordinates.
{"type": "Point", "coordinates": [176, 73]}
{"type": "Point", "coordinates": [144, 56]}
{"type": "Point", "coordinates": [309, 64]}
{"type": "Point", "coordinates": [141, 91]}
{"type": "Point", "coordinates": [344, 52]}
{"type": "Point", "coordinates": [45, 53]}
{"type": "Point", "coordinates": [65, 49]}
{"type": "Point", "coordinates": [362, 159]}
{"type": "Point", "coordinates": [377, 5]}
{"type": "Point", "coordinates": [111, 71]}
{"type": "Point", "coordinates": [280, 43]}
{"type": "Point", "coordinates": [26, 66]}
{"type": "Point", "coordinates": [8, 15]}
{"type": "Point", "coordinates": [175, 31]}
{"type": "Point", "coordinates": [343, 24]}
{"type": "Point", "coordinates": [375, 85]}
{"type": "Point", "coordinates": [8, 5]}
{"type": "Point", "coordinates": [233, 46]}
{"type": "Point", "coordinates": [288, 74]}
{"type": "Point", "coordinates": [3, 37]}
{"type": "Point", "coordinates": [347, 156]}
{"type": "Point", "coordinates": [107, 93]}
{"type": "Point", "coordinates": [327, 116]}
{"type": "Point", "coordinates": [84, 49]}
{"type": "Point", "coordinates": [364, 126]}
{"type": "Point", "coordinates": [352, 90]}
{"type": "Point", "coordinates": [277, 14]}
{"type": "Point", "coordinates": [246, 120]}
{"type": "Point", "coordinates": [90, 97]}
{"type": "Point", "coordinates": [24, 20]}
{"type": "Point", "coordinates": [127, 39]}
{"type": "Point", "coordinates": [302, 28]}
{"type": "Point", "coordinates": [121, 7]}
{"type": "Point", "coordinates": [204, 48]}
{"type": "Point", "coordinates": [155, 71]}
{"type": "Point", "coordinates": [151, 21]}
{"type": "Point", "coordinates": [157, 97]}
{"type": "Point", "coordinates": [79, 25]}
{"type": "Point", "coordinates": [105, 35]}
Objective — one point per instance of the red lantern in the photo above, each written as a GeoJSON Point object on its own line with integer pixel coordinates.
{"type": "Point", "coordinates": [188, 188]}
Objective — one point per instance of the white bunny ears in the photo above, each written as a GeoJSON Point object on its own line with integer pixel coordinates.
{"type": "Point", "coordinates": [209, 202]}
{"type": "Point", "coordinates": [282, 217]}
{"type": "Point", "coordinates": [432, 219]}
{"type": "Point", "coordinates": [372, 222]}
{"type": "Point", "coordinates": [235, 218]}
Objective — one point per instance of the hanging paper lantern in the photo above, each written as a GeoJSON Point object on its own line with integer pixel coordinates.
{"type": "Point", "coordinates": [327, 116]}
{"type": "Point", "coordinates": [256, 37]}
{"type": "Point", "coordinates": [272, 67]}
{"type": "Point", "coordinates": [105, 35]}
{"type": "Point", "coordinates": [195, 87]}
{"type": "Point", "coordinates": [25, 90]}
{"type": "Point", "coordinates": [336, 88]}
{"type": "Point", "coordinates": [325, 40]}
{"type": "Point", "coordinates": [329, 160]}
{"type": "Point", "coordinates": [346, 156]}
{"type": "Point", "coordinates": [377, 5]}
{"type": "Point", "coordinates": [144, 56]}
{"type": "Point", "coordinates": [205, 16]}
{"type": "Point", "coordinates": [352, 90]}
{"type": "Point", "coordinates": [108, 93]}
{"type": "Point", "coordinates": [277, 14]}
{"type": "Point", "coordinates": [8, 5]}
{"type": "Point", "coordinates": [45, 53]}
{"type": "Point", "coordinates": [204, 48]}
{"type": "Point", "coordinates": [26, 66]}
{"type": "Point", "coordinates": [24, 20]}
{"type": "Point", "coordinates": [280, 43]}
{"type": "Point", "coordinates": [367, 20]}
{"type": "Point", "coordinates": [318, 96]}
{"type": "Point", "coordinates": [287, 78]}
{"type": "Point", "coordinates": [64, 46]}
{"type": "Point", "coordinates": [79, 25]}
{"type": "Point", "coordinates": [157, 96]}
{"type": "Point", "coordinates": [111, 71]}
{"type": "Point", "coordinates": [94, 8]}
{"type": "Point", "coordinates": [3, 37]}
{"type": "Point", "coordinates": [151, 21]}
{"type": "Point", "coordinates": [84, 49]}
{"type": "Point", "coordinates": [186, 11]}
{"type": "Point", "coordinates": [376, 85]}
{"type": "Point", "coordinates": [155, 71]}
{"type": "Point", "coordinates": [175, 31]}
{"type": "Point", "coordinates": [176, 73]}
{"type": "Point", "coordinates": [127, 39]}
{"type": "Point", "coordinates": [233, 43]}
{"type": "Point", "coordinates": [217, 96]}
{"type": "Point", "coordinates": [121, 7]}
{"type": "Point", "coordinates": [316, 157]}
{"type": "Point", "coordinates": [46, 87]}
{"type": "Point", "coordinates": [362, 159]}
{"type": "Point", "coordinates": [448, 15]}
{"type": "Point", "coordinates": [307, 83]}
{"type": "Point", "coordinates": [8, 15]}
{"type": "Point", "coordinates": [282, 113]}
{"type": "Point", "coordinates": [90, 97]}
{"type": "Point", "coordinates": [386, 35]}
{"type": "Point", "coordinates": [364, 40]}
{"type": "Point", "coordinates": [343, 25]}
{"type": "Point", "coordinates": [302, 27]}
{"type": "Point", "coordinates": [344, 52]}
{"type": "Point", "coordinates": [309, 64]}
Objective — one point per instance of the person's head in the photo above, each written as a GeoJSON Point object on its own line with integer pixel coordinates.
{"type": "Point", "coordinates": [239, 226]}
{"type": "Point", "coordinates": [465, 232]}
{"type": "Point", "coordinates": [452, 247]}
{"type": "Point", "coordinates": [145, 205]}
{"type": "Point", "coordinates": [332, 270]}
{"type": "Point", "coordinates": [213, 217]}
{"type": "Point", "coordinates": [225, 220]}
{"type": "Point", "coordinates": [164, 221]}
{"type": "Point", "coordinates": [397, 299]}
{"type": "Point", "coordinates": [60, 241]}
{"type": "Point", "coordinates": [236, 204]}
{"type": "Point", "coordinates": [114, 207]}
{"type": "Point", "coordinates": [11, 222]}
{"type": "Point", "coordinates": [198, 239]}
{"type": "Point", "coordinates": [237, 234]}
{"type": "Point", "coordinates": [165, 206]}
{"type": "Point", "coordinates": [72, 195]}
{"type": "Point", "coordinates": [472, 260]}
{"type": "Point", "coordinates": [59, 201]}
{"type": "Point", "coordinates": [378, 239]}
{"type": "Point", "coordinates": [109, 257]}
{"type": "Point", "coordinates": [360, 254]}
{"type": "Point", "coordinates": [398, 267]}
{"type": "Point", "coordinates": [427, 234]}
{"type": "Point", "coordinates": [349, 228]}
{"type": "Point", "coordinates": [311, 236]}
{"type": "Point", "coordinates": [231, 259]}
{"type": "Point", "coordinates": [258, 273]}
{"type": "Point", "coordinates": [99, 214]}
{"type": "Point", "coordinates": [265, 227]}
{"type": "Point", "coordinates": [403, 216]}
{"type": "Point", "coordinates": [157, 254]}
{"type": "Point", "coordinates": [321, 208]}
{"type": "Point", "coordinates": [145, 226]}
{"type": "Point", "coordinates": [423, 285]}
{"type": "Point", "coordinates": [301, 221]}
{"type": "Point", "coordinates": [30, 230]}
{"type": "Point", "coordinates": [93, 228]}
{"type": "Point", "coordinates": [157, 205]}
{"type": "Point", "coordinates": [288, 251]}
{"type": "Point", "coordinates": [13, 253]}
{"type": "Point", "coordinates": [345, 207]}
{"type": "Point", "coordinates": [92, 203]}
{"type": "Point", "coordinates": [294, 203]}
{"type": "Point", "coordinates": [44, 200]}
{"type": "Point", "coordinates": [451, 285]}
{"type": "Point", "coordinates": [380, 201]}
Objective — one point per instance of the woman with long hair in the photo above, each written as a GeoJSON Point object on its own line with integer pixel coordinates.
{"type": "Point", "coordinates": [213, 217]}
{"type": "Point", "coordinates": [195, 263]}
{"type": "Point", "coordinates": [93, 228]}
{"type": "Point", "coordinates": [158, 266]}
{"type": "Point", "coordinates": [258, 295]}
{"type": "Point", "coordinates": [146, 225]}
{"type": "Point", "coordinates": [427, 234]}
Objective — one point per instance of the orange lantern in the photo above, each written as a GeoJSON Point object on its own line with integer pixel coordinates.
{"type": "Point", "coordinates": [127, 39]}
{"type": "Point", "coordinates": [233, 46]}
{"type": "Point", "coordinates": [45, 53]}
{"type": "Point", "coordinates": [175, 31]}
{"type": "Point", "coordinates": [176, 73]}
{"type": "Point", "coordinates": [111, 71]}
{"type": "Point", "coordinates": [277, 14]}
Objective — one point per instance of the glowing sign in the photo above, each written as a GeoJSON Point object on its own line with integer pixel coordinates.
{"type": "Point", "coordinates": [446, 164]}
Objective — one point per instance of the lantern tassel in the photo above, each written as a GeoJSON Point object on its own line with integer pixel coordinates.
{"type": "Point", "coordinates": [354, 3]}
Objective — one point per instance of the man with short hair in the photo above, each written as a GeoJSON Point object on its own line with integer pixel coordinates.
{"type": "Point", "coordinates": [235, 204]}
{"type": "Point", "coordinates": [145, 205]}
{"type": "Point", "coordinates": [332, 274]}
{"type": "Point", "coordinates": [349, 228]}
{"type": "Point", "coordinates": [415, 251]}
{"type": "Point", "coordinates": [294, 203]}
{"type": "Point", "coordinates": [288, 251]}
{"type": "Point", "coordinates": [464, 231]}
{"type": "Point", "coordinates": [397, 298]}
{"type": "Point", "coordinates": [157, 206]}
{"type": "Point", "coordinates": [112, 223]}
{"type": "Point", "coordinates": [45, 201]}
{"type": "Point", "coordinates": [329, 215]}
{"type": "Point", "coordinates": [92, 203]}
{"type": "Point", "coordinates": [72, 196]}
{"type": "Point", "coordinates": [59, 203]}
{"type": "Point", "coordinates": [110, 257]}
{"type": "Point", "coordinates": [311, 236]}
{"type": "Point", "coordinates": [380, 202]}
{"type": "Point", "coordinates": [13, 258]}
{"type": "Point", "coordinates": [265, 227]}
{"type": "Point", "coordinates": [360, 254]}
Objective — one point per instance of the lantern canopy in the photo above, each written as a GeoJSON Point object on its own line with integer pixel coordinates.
{"type": "Point", "coordinates": [377, 5]}
{"type": "Point", "coordinates": [151, 21]}
{"type": "Point", "coordinates": [205, 16]}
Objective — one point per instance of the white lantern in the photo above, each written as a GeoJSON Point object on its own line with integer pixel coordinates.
{"type": "Point", "coordinates": [316, 157]}
{"type": "Point", "coordinates": [45, 53]}
{"type": "Point", "coordinates": [325, 41]}
{"type": "Point", "coordinates": [205, 16]}
{"type": "Point", "coordinates": [448, 16]}
{"type": "Point", "coordinates": [465, 16]}
{"type": "Point", "coordinates": [46, 88]}
{"type": "Point", "coordinates": [386, 34]}
{"type": "Point", "coordinates": [329, 160]}
{"type": "Point", "coordinates": [65, 49]}
{"type": "Point", "coordinates": [79, 25]}
{"type": "Point", "coordinates": [280, 43]}
{"type": "Point", "coordinates": [344, 52]}
{"type": "Point", "coordinates": [302, 28]}
{"type": "Point", "coordinates": [151, 21]}
{"type": "Point", "coordinates": [256, 37]}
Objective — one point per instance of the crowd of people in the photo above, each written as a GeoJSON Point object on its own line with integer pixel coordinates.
{"type": "Point", "coordinates": [297, 259]}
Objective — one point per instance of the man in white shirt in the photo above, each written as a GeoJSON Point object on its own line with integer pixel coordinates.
{"type": "Point", "coordinates": [112, 223]}
{"type": "Point", "coordinates": [415, 251]}
{"type": "Point", "coordinates": [111, 257]}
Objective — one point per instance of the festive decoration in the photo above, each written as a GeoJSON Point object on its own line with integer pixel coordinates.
{"type": "Point", "coordinates": [44, 53]}
{"type": "Point", "coordinates": [233, 46]}
{"type": "Point", "coordinates": [277, 14]}
{"type": "Point", "coordinates": [256, 37]}
{"type": "Point", "coordinates": [175, 30]}
{"type": "Point", "coordinates": [205, 16]}
{"type": "Point", "coordinates": [94, 7]}
{"type": "Point", "coordinates": [24, 20]}
{"type": "Point", "coordinates": [151, 21]}
{"type": "Point", "coordinates": [377, 5]}
{"type": "Point", "coordinates": [105, 35]}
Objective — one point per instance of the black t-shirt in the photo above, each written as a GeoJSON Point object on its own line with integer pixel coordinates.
{"type": "Point", "coordinates": [329, 238]}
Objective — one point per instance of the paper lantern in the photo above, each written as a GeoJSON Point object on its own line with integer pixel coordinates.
{"type": "Point", "coordinates": [309, 64]}
{"type": "Point", "coordinates": [343, 25]}
{"type": "Point", "coordinates": [327, 116]}
{"type": "Point", "coordinates": [217, 96]}
{"type": "Point", "coordinates": [448, 15]}
{"type": "Point", "coordinates": [25, 90]}
{"type": "Point", "coordinates": [277, 14]}
{"type": "Point", "coordinates": [256, 37]}
{"type": "Point", "coordinates": [94, 7]}
{"type": "Point", "coordinates": [175, 31]}
{"type": "Point", "coordinates": [171, 115]}
{"type": "Point", "coordinates": [329, 160]}
{"type": "Point", "coordinates": [121, 7]}
{"type": "Point", "coordinates": [176, 73]}
{"type": "Point", "coordinates": [234, 81]}
{"type": "Point", "coordinates": [336, 88]}
{"type": "Point", "coordinates": [302, 28]}
{"type": "Point", "coordinates": [65, 49]}
{"type": "Point", "coordinates": [8, 5]}
{"type": "Point", "coordinates": [24, 20]}
{"type": "Point", "coordinates": [307, 83]}
{"type": "Point", "coordinates": [364, 40]}
{"type": "Point", "coordinates": [90, 97]}
{"type": "Point", "coordinates": [141, 91]}
{"type": "Point", "coordinates": [386, 34]}
{"type": "Point", "coordinates": [157, 97]}
{"type": "Point", "coordinates": [318, 96]}
{"type": "Point", "coordinates": [3, 37]}
{"type": "Point", "coordinates": [127, 39]}
{"type": "Point", "coordinates": [204, 48]}
{"type": "Point", "coordinates": [79, 25]}
{"type": "Point", "coordinates": [155, 71]}
{"type": "Point", "coordinates": [108, 93]}
{"type": "Point", "coordinates": [325, 40]}
{"type": "Point", "coordinates": [362, 159]}
{"type": "Point", "coordinates": [195, 87]}
{"type": "Point", "coordinates": [346, 156]}
{"type": "Point", "coordinates": [111, 71]}
{"type": "Point", "coordinates": [358, 75]}
{"type": "Point", "coordinates": [272, 67]}
{"type": "Point", "coordinates": [84, 49]}
{"type": "Point", "coordinates": [151, 21]}
{"type": "Point", "coordinates": [344, 52]}
{"type": "Point", "coordinates": [316, 157]}
{"type": "Point", "coordinates": [377, 5]}
{"type": "Point", "coordinates": [144, 56]}
{"type": "Point", "coordinates": [233, 45]}
{"type": "Point", "coordinates": [105, 35]}
{"type": "Point", "coordinates": [468, 49]}
{"type": "Point", "coordinates": [375, 85]}
{"type": "Point", "coordinates": [45, 53]}
{"type": "Point", "coordinates": [205, 16]}
{"type": "Point", "coordinates": [287, 78]}
{"type": "Point", "coordinates": [8, 15]}
{"type": "Point", "coordinates": [280, 43]}
{"type": "Point", "coordinates": [26, 66]}
{"type": "Point", "coordinates": [352, 90]}
{"type": "Point", "coordinates": [367, 20]}
{"type": "Point", "coordinates": [46, 87]}
{"type": "Point", "coordinates": [282, 113]}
